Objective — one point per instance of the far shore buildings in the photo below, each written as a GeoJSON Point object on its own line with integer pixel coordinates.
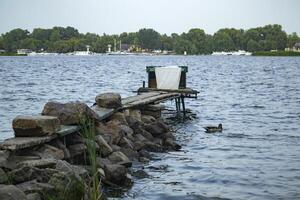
{"type": "Point", "coordinates": [295, 48]}
{"type": "Point", "coordinates": [23, 51]}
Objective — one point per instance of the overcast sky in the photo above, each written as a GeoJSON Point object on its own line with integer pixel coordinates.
{"type": "Point", "coordinates": [165, 16]}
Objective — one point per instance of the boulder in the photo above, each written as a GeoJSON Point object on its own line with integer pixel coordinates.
{"type": "Point", "coordinates": [35, 126]}
{"type": "Point", "coordinates": [118, 157]}
{"type": "Point", "coordinates": [138, 145]}
{"type": "Point", "coordinates": [156, 128]}
{"type": "Point", "coordinates": [3, 177]}
{"type": "Point", "coordinates": [133, 123]}
{"type": "Point", "coordinates": [152, 110]}
{"type": "Point", "coordinates": [102, 162]}
{"type": "Point", "coordinates": [59, 144]}
{"type": "Point", "coordinates": [11, 192]}
{"type": "Point", "coordinates": [115, 131]}
{"type": "Point", "coordinates": [35, 187]}
{"type": "Point", "coordinates": [109, 100]}
{"type": "Point", "coordinates": [171, 144]}
{"type": "Point", "coordinates": [116, 174]}
{"type": "Point", "coordinates": [150, 146]}
{"type": "Point", "coordinates": [135, 114]}
{"type": "Point", "coordinates": [27, 173]}
{"type": "Point", "coordinates": [47, 151]}
{"type": "Point", "coordinates": [126, 143]}
{"type": "Point", "coordinates": [146, 134]}
{"type": "Point", "coordinates": [147, 119]}
{"type": "Point", "coordinates": [77, 149]}
{"type": "Point", "coordinates": [64, 166]}
{"type": "Point", "coordinates": [140, 174]}
{"type": "Point", "coordinates": [74, 139]}
{"type": "Point", "coordinates": [115, 147]}
{"type": "Point", "coordinates": [68, 184]}
{"type": "Point", "coordinates": [33, 196]}
{"type": "Point", "coordinates": [145, 153]}
{"type": "Point", "coordinates": [69, 113]}
{"type": "Point", "coordinates": [140, 137]}
{"type": "Point", "coordinates": [119, 117]}
{"type": "Point", "coordinates": [130, 153]}
{"type": "Point", "coordinates": [105, 149]}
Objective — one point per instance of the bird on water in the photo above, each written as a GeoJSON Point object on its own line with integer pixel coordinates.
{"type": "Point", "coordinates": [213, 129]}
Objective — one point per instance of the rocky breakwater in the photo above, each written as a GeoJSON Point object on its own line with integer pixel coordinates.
{"type": "Point", "coordinates": [47, 159]}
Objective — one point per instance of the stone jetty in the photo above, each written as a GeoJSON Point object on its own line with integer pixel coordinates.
{"type": "Point", "coordinates": [49, 153]}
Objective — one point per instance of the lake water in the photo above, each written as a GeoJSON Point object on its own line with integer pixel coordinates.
{"type": "Point", "coordinates": [256, 98]}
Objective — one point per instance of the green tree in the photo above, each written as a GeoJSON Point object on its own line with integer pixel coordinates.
{"type": "Point", "coordinates": [253, 46]}
{"type": "Point", "coordinates": [197, 39]}
{"type": "Point", "coordinates": [222, 42]}
{"type": "Point", "coordinates": [11, 40]}
{"type": "Point", "coordinates": [149, 39]}
{"type": "Point", "coordinates": [292, 40]}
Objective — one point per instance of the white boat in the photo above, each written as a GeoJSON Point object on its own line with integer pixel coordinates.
{"type": "Point", "coordinates": [233, 53]}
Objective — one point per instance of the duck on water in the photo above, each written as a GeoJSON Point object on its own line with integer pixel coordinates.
{"type": "Point", "coordinates": [213, 129]}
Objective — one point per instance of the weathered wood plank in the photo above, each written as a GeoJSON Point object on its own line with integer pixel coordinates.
{"type": "Point", "coordinates": [139, 97]}
{"type": "Point", "coordinates": [149, 100]}
{"type": "Point", "coordinates": [25, 142]}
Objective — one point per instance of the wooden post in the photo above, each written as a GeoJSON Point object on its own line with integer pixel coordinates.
{"type": "Point", "coordinates": [183, 105]}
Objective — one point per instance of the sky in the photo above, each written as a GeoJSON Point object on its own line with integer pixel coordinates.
{"type": "Point", "coordinates": [165, 16]}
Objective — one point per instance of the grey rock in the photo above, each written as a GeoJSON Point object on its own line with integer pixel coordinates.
{"type": "Point", "coordinates": [35, 187]}
{"type": "Point", "coordinates": [102, 162]}
{"type": "Point", "coordinates": [171, 144]}
{"type": "Point", "coordinates": [77, 149]}
{"type": "Point", "coordinates": [49, 152]}
{"type": "Point", "coordinates": [11, 192]}
{"type": "Point", "coordinates": [26, 173]}
{"type": "Point", "coordinates": [3, 177]}
{"type": "Point", "coordinates": [64, 166]}
{"type": "Point", "coordinates": [126, 143]}
{"type": "Point", "coordinates": [150, 146]}
{"type": "Point", "coordinates": [130, 153]}
{"type": "Point", "coordinates": [138, 145]}
{"type": "Point", "coordinates": [156, 128]}
{"type": "Point", "coordinates": [69, 113]}
{"type": "Point", "coordinates": [35, 126]}
{"type": "Point", "coordinates": [119, 117]}
{"type": "Point", "coordinates": [34, 196]}
{"type": "Point", "coordinates": [140, 174]}
{"type": "Point", "coordinates": [116, 174]}
{"type": "Point", "coordinates": [109, 100]}
{"type": "Point", "coordinates": [117, 157]}
{"type": "Point", "coordinates": [147, 119]}
{"type": "Point", "coordinates": [135, 114]}
{"type": "Point", "coordinates": [105, 149]}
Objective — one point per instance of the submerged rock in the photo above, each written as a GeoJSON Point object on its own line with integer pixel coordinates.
{"type": "Point", "coordinates": [69, 113]}
{"type": "Point", "coordinates": [35, 126]}
{"type": "Point", "coordinates": [11, 192]}
{"type": "Point", "coordinates": [109, 100]}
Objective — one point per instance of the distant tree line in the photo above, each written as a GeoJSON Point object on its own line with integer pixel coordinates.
{"type": "Point", "coordinates": [195, 41]}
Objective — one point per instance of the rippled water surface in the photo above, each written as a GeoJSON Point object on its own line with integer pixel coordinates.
{"type": "Point", "coordinates": [256, 98]}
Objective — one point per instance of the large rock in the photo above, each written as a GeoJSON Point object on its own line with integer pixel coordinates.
{"type": "Point", "coordinates": [126, 143]}
{"type": "Point", "coordinates": [11, 192]}
{"type": "Point", "coordinates": [120, 117]}
{"type": "Point", "coordinates": [34, 196]}
{"type": "Point", "coordinates": [171, 144]}
{"type": "Point", "coordinates": [3, 176]}
{"type": "Point", "coordinates": [47, 151]}
{"type": "Point", "coordinates": [64, 166]}
{"type": "Point", "coordinates": [35, 187]}
{"type": "Point", "coordinates": [77, 149]}
{"type": "Point", "coordinates": [109, 100]}
{"type": "Point", "coordinates": [136, 114]}
{"type": "Point", "coordinates": [115, 174]}
{"type": "Point", "coordinates": [105, 149]}
{"type": "Point", "coordinates": [69, 113]}
{"type": "Point", "coordinates": [29, 173]}
{"type": "Point", "coordinates": [130, 153]}
{"type": "Point", "coordinates": [35, 126]}
{"type": "Point", "coordinates": [147, 119]}
{"type": "Point", "coordinates": [68, 184]}
{"type": "Point", "coordinates": [157, 128]}
{"type": "Point", "coordinates": [118, 157]}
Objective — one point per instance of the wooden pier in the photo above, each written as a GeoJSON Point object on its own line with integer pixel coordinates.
{"type": "Point", "coordinates": [137, 101]}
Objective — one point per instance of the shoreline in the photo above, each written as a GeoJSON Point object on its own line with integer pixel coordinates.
{"type": "Point", "coordinates": [43, 169]}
